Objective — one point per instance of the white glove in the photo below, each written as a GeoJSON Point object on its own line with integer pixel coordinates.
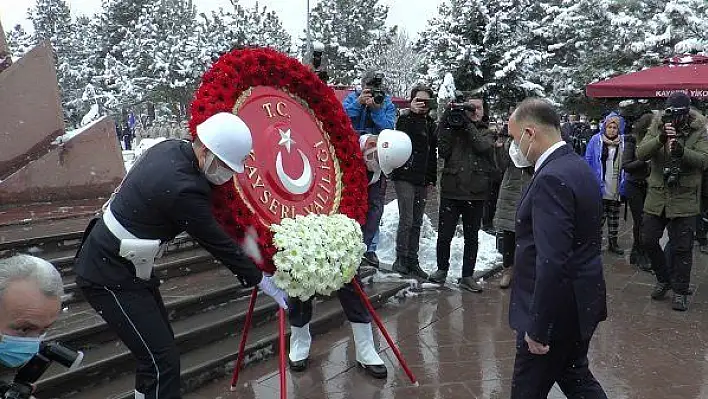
{"type": "Point", "coordinates": [268, 286]}
{"type": "Point", "coordinates": [250, 245]}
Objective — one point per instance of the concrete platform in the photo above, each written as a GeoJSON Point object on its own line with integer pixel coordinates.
{"type": "Point", "coordinates": [459, 345]}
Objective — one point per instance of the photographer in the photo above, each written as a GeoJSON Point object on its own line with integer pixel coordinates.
{"type": "Point", "coordinates": [415, 179]}
{"type": "Point", "coordinates": [30, 301]}
{"type": "Point", "coordinates": [467, 146]}
{"type": "Point", "coordinates": [372, 111]}
{"type": "Point", "coordinates": [677, 146]}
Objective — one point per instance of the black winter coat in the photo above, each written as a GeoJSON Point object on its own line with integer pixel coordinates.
{"type": "Point", "coordinates": [421, 168]}
{"type": "Point", "coordinates": [469, 162]}
{"type": "Point", "coordinates": [636, 171]}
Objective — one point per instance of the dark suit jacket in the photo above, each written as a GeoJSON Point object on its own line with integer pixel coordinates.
{"type": "Point", "coordinates": [559, 287]}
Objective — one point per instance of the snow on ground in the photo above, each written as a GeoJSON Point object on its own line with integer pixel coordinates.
{"type": "Point", "coordinates": [487, 256]}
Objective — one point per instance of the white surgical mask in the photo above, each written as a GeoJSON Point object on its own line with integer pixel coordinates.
{"type": "Point", "coordinates": [372, 164]}
{"type": "Point", "coordinates": [220, 175]}
{"type": "Point", "coordinates": [520, 160]}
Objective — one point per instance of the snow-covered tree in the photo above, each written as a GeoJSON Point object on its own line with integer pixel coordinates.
{"type": "Point", "coordinates": [349, 29]}
{"type": "Point", "coordinates": [76, 67]}
{"type": "Point", "coordinates": [679, 27]}
{"type": "Point", "coordinates": [398, 61]}
{"type": "Point", "coordinates": [223, 30]}
{"type": "Point", "coordinates": [588, 40]}
{"type": "Point", "coordinates": [159, 59]}
{"type": "Point", "coordinates": [52, 21]}
{"type": "Point", "coordinates": [262, 27]}
{"type": "Point", "coordinates": [118, 19]}
{"type": "Point", "coordinates": [488, 46]}
{"type": "Point", "coordinates": [453, 43]}
{"type": "Point", "coordinates": [19, 42]}
{"type": "Point", "coordinates": [512, 52]}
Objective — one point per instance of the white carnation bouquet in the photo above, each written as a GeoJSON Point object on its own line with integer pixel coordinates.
{"type": "Point", "coordinates": [317, 254]}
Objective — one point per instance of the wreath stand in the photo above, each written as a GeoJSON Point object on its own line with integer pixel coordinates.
{"type": "Point", "coordinates": [281, 322]}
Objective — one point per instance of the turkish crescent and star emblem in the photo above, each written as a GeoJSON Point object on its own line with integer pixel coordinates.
{"type": "Point", "coordinates": [292, 169]}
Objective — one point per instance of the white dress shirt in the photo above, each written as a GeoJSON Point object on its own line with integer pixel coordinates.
{"type": "Point", "coordinates": [547, 153]}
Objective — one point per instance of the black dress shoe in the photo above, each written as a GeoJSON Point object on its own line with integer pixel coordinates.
{"type": "Point", "coordinates": [298, 366]}
{"type": "Point", "coordinates": [377, 371]}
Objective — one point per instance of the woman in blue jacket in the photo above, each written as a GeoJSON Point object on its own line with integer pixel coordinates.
{"type": "Point", "coordinates": [604, 155]}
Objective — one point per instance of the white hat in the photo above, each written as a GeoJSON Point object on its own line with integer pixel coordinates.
{"type": "Point", "coordinates": [394, 149]}
{"type": "Point", "coordinates": [228, 137]}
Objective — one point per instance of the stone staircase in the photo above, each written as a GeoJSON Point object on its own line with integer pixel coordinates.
{"type": "Point", "coordinates": [206, 305]}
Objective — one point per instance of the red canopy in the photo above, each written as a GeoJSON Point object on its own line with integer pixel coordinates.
{"type": "Point", "coordinates": [688, 74]}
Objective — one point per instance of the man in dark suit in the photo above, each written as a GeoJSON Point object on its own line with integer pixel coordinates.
{"type": "Point", "coordinates": [558, 294]}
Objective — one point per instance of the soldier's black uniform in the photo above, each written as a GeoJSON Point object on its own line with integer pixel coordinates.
{"type": "Point", "coordinates": [164, 195]}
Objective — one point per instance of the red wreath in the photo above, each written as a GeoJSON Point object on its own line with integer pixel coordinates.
{"type": "Point", "coordinates": [238, 70]}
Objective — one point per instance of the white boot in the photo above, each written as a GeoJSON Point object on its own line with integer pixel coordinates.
{"type": "Point", "coordinates": [300, 341]}
{"type": "Point", "coordinates": [366, 353]}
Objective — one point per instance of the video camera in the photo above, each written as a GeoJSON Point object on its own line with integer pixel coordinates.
{"type": "Point", "coordinates": [21, 386]}
{"type": "Point", "coordinates": [377, 91]}
{"type": "Point", "coordinates": [678, 118]}
{"type": "Point", "coordinates": [675, 116]}
{"type": "Point", "coordinates": [456, 116]}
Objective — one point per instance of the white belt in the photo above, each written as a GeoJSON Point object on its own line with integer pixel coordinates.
{"type": "Point", "coordinates": [114, 225]}
{"type": "Point", "coordinates": [141, 252]}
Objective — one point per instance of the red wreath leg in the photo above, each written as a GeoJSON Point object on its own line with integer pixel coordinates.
{"type": "Point", "coordinates": [244, 337]}
{"type": "Point", "coordinates": [382, 328]}
{"type": "Point", "coordinates": [283, 380]}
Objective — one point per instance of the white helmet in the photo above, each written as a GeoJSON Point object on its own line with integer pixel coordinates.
{"type": "Point", "coordinates": [394, 148]}
{"type": "Point", "coordinates": [228, 137]}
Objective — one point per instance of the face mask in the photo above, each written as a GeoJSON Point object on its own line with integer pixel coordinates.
{"type": "Point", "coordinates": [219, 176]}
{"type": "Point", "coordinates": [16, 351]}
{"type": "Point", "coordinates": [520, 160]}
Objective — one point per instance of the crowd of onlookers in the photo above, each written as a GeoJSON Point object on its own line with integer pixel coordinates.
{"type": "Point", "coordinates": [651, 162]}
{"type": "Point", "coordinates": [656, 162]}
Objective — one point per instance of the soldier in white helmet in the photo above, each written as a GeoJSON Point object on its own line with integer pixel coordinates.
{"type": "Point", "coordinates": [382, 153]}
{"type": "Point", "coordinates": [167, 192]}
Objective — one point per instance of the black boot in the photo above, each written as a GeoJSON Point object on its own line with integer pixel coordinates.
{"type": "Point", "coordinates": [660, 291]}
{"type": "Point", "coordinates": [298, 366]}
{"type": "Point", "coordinates": [614, 247]}
{"type": "Point", "coordinates": [680, 303]}
{"type": "Point", "coordinates": [415, 270]}
{"type": "Point", "coordinates": [401, 265]}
